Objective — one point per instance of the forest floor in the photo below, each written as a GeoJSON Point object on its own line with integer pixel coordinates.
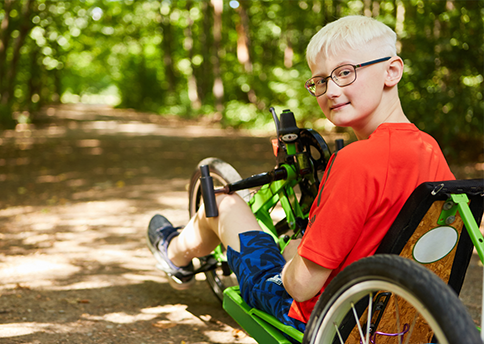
{"type": "Point", "coordinates": [77, 193]}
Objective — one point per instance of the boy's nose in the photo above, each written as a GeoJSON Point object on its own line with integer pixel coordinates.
{"type": "Point", "coordinates": [332, 89]}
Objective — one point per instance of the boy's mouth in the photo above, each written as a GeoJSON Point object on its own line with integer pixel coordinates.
{"type": "Point", "coordinates": [338, 106]}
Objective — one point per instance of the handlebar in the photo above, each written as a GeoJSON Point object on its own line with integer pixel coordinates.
{"type": "Point", "coordinates": [254, 181]}
{"type": "Point", "coordinates": [206, 183]}
{"type": "Point", "coordinates": [208, 191]}
{"type": "Point", "coordinates": [293, 150]}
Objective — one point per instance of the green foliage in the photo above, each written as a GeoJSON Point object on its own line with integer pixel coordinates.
{"type": "Point", "coordinates": [442, 87]}
{"type": "Point", "coordinates": [165, 57]}
{"type": "Point", "coordinates": [138, 85]}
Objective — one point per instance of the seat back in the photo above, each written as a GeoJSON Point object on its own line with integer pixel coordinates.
{"type": "Point", "coordinates": [430, 231]}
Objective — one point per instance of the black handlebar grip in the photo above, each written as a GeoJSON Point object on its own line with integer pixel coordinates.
{"type": "Point", "coordinates": [206, 182]}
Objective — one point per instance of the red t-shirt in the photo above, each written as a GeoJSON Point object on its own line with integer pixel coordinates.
{"type": "Point", "coordinates": [363, 189]}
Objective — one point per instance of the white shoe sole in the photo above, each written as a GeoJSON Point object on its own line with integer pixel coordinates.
{"type": "Point", "coordinates": [174, 282]}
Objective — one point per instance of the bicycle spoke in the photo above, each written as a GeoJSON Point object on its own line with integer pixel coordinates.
{"type": "Point", "coordinates": [358, 323]}
{"type": "Point", "coordinates": [339, 334]}
{"type": "Point", "coordinates": [411, 328]}
{"type": "Point", "coordinates": [398, 319]}
{"type": "Point", "coordinates": [368, 321]}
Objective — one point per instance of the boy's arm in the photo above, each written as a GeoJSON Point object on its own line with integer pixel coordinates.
{"type": "Point", "coordinates": [303, 279]}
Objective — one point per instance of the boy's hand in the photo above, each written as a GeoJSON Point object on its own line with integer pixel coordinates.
{"type": "Point", "coordinates": [291, 249]}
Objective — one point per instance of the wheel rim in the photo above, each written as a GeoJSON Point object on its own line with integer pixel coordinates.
{"type": "Point", "coordinates": [343, 303]}
{"type": "Point", "coordinates": [197, 195]}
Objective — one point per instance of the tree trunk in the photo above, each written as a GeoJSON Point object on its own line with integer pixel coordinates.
{"type": "Point", "coordinates": [25, 27]}
{"type": "Point", "coordinates": [243, 47]}
{"type": "Point", "coordinates": [218, 86]}
{"type": "Point", "coordinates": [205, 77]}
{"type": "Point", "coordinates": [5, 32]}
{"type": "Point", "coordinates": [8, 69]}
{"type": "Point", "coordinates": [192, 80]}
{"type": "Point", "coordinates": [166, 45]}
{"type": "Point", "coordinates": [34, 83]}
{"type": "Point", "coordinates": [243, 40]}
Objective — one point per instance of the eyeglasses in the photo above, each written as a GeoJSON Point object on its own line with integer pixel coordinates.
{"type": "Point", "coordinates": [342, 76]}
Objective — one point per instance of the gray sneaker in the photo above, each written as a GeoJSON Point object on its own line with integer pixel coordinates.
{"type": "Point", "coordinates": [160, 233]}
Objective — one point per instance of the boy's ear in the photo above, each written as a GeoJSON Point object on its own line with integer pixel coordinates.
{"type": "Point", "coordinates": [394, 71]}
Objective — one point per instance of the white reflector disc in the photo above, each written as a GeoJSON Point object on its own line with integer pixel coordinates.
{"type": "Point", "coordinates": [435, 244]}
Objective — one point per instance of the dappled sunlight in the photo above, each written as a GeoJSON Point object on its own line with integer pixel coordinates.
{"type": "Point", "coordinates": [31, 268]}
{"type": "Point", "coordinates": [121, 317]}
{"type": "Point", "coordinates": [169, 199]}
{"type": "Point", "coordinates": [26, 328]}
{"type": "Point", "coordinates": [83, 262]}
{"type": "Point", "coordinates": [84, 237]}
{"type": "Point", "coordinates": [161, 317]}
{"type": "Point", "coordinates": [141, 129]}
{"type": "Point", "coordinates": [174, 313]}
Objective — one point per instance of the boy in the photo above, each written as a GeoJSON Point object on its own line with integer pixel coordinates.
{"type": "Point", "coordinates": [355, 75]}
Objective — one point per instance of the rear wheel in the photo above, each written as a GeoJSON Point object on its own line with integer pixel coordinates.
{"type": "Point", "coordinates": [222, 173]}
{"type": "Point", "coordinates": [407, 304]}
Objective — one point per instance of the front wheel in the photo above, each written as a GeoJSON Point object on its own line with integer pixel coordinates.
{"type": "Point", "coordinates": [389, 299]}
{"type": "Point", "coordinates": [222, 173]}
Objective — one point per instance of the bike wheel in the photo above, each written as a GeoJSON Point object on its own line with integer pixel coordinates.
{"type": "Point", "coordinates": [394, 300]}
{"type": "Point", "coordinates": [222, 174]}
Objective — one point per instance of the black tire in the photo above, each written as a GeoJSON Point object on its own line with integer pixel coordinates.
{"type": "Point", "coordinates": [425, 294]}
{"type": "Point", "coordinates": [222, 173]}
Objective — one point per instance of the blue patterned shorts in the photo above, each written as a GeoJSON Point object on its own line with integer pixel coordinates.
{"type": "Point", "coordinates": [258, 268]}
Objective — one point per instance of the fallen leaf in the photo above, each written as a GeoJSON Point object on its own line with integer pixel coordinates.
{"type": "Point", "coordinates": [164, 324]}
{"type": "Point", "coordinates": [18, 286]}
{"type": "Point", "coordinates": [238, 333]}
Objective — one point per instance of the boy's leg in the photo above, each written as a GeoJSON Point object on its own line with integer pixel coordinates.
{"type": "Point", "coordinates": [202, 235]}
{"type": "Point", "coordinates": [252, 254]}
{"type": "Point", "coordinates": [174, 249]}
{"type": "Point", "coordinates": [257, 265]}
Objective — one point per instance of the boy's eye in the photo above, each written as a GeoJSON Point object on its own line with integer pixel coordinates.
{"type": "Point", "coordinates": [320, 82]}
{"type": "Point", "coordinates": [343, 72]}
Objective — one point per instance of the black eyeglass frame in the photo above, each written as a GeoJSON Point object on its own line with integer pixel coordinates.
{"type": "Point", "coordinates": [309, 83]}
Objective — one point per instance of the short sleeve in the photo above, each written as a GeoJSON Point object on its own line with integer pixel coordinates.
{"type": "Point", "coordinates": [346, 195]}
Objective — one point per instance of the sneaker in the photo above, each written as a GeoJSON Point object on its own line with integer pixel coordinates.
{"type": "Point", "coordinates": [160, 233]}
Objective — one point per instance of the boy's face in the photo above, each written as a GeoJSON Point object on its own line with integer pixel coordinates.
{"type": "Point", "coordinates": [356, 105]}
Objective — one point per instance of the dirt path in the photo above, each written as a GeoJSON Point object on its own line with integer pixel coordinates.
{"type": "Point", "coordinates": [76, 196]}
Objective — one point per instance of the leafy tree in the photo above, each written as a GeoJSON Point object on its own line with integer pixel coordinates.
{"type": "Point", "coordinates": [234, 59]}
{"type": "Point", "coordinates": [15, 25]}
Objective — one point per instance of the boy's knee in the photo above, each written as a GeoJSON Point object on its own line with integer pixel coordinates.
{"type": "Point", "coordinates": [227, 202]}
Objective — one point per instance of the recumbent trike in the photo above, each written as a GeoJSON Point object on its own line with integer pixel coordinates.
{"type": "Point", "coordinates": [405, 293]}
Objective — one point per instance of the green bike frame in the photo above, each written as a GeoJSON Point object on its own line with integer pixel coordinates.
{"type": "Point", "coordinates": [461, 204]}
{"type": "Point", "coordinates": [269, 195]}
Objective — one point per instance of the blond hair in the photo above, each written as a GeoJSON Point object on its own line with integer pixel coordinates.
{"type": "Point", "coordinates": [351, 32]}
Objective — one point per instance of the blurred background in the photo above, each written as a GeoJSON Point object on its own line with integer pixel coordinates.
{"type": "Point", "coordinates": [229, 61]}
